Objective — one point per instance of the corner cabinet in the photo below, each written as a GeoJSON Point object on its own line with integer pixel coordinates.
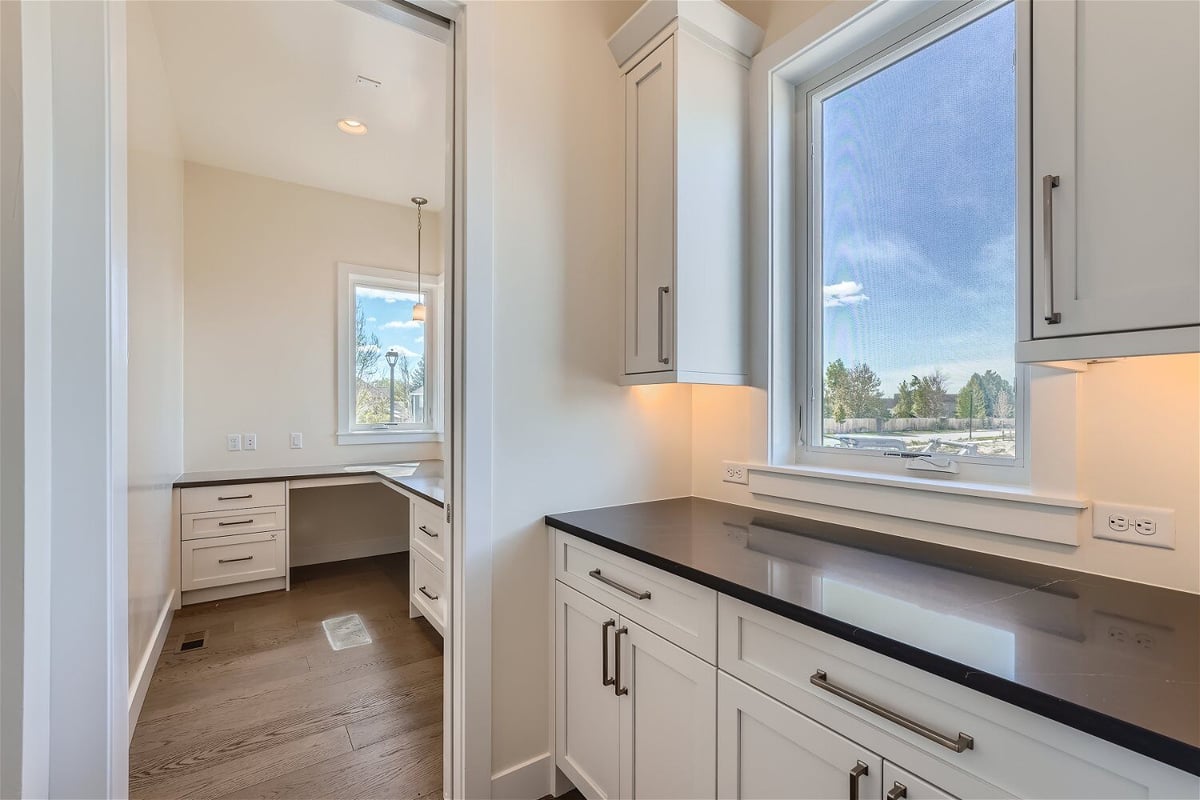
{"type": "Point", "coordinates": [664, 688]}
{"type": "Point", "coordinates": [686, 68]}
{"type": "Point", "coordinates": [1116, 180]}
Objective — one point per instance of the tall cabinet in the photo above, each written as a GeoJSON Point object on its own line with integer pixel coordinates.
{"type": "Point", "coordinates": [1116, 180]}
{"type": "Point", "coordinates": [686, 70]}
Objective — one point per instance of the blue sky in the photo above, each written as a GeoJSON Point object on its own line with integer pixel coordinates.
{"type": "Point", "coordinates": [919, 211]}
{"type": "Point", "coordinates": [389, 316]}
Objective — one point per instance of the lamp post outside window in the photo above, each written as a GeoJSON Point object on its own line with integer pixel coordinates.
{"type": "Point", "coordinates": [392, 357]}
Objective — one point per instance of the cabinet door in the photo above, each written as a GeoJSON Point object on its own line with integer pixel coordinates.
{"type": "Point", "coordinates": [1116, 116]}
{"type": "Point", "coordinates": [650, 212]}
{"type": "Point", "coordinates": [668, 719]}
{"type": "Point", "coordinates": [767, 750]}
{"type": "Point", "coordinates": [901, 785]}
{"type": "Point", "coordinates": [587, 721]}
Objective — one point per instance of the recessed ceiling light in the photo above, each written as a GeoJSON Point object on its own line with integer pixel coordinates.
{"type": "Point", "coordinates": [352, 127]}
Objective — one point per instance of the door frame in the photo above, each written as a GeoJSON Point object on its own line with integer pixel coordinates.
{"type": "Point", "coordinates": [74, 730]}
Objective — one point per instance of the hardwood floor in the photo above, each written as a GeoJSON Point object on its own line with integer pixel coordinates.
{"type": "Point", "coordinates": [268, 709]}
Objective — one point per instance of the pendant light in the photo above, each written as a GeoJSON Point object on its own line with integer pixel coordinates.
{"type": "Point", "coordinates": [419, 308]}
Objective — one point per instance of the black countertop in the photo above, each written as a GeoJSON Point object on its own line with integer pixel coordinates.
{"type": "Point", "coordinates": [422, 478]}
{"type": "Point", "coordinates": [1116, 659]}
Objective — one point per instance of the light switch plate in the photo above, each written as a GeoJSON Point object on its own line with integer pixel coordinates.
{"type": "Point", "coordinates": [297, 441]}
{"type": "Point", "coordinates": [233, 441]}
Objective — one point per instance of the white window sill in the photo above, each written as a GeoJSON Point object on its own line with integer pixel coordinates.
{"type": "Point", "coordinates": [1009, 511]}
{"type": "Point", "coordinates": [388, 437]}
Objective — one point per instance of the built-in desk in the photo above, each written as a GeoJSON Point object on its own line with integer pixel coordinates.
{"type": "Point", "coordinates": [233, 535]}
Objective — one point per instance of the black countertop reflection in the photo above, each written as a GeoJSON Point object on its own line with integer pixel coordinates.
{"type": "Point", "coordinates": [1116, 659]}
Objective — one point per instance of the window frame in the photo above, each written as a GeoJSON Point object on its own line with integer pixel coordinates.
{"type": "Point", "coordinates": [349, 431]}
{"type": "Point", "coordinates": [808, 341]}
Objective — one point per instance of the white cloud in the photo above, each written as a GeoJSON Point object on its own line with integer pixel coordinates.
{"type": "Point", "coordinates": [845, 293]}
{"type": "Point", "coordinates": [387, 295]}
{"type": "Point", "coordinates": [371, 319]}
{"type": "Point", "coordinates": [420, 340]}
{"type": "Point", "coordinates": [404, 351]}
{"type": "Point", "coordinates": [403, 323]}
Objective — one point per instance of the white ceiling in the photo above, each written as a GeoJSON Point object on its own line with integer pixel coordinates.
{"type": "Point", "coordinates": [259, 85]}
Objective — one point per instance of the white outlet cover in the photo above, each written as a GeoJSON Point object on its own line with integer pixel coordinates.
{"type": "Point", "coordinates": [1164, 524]}
{"type": "Point", "coordinates": [249, 441]}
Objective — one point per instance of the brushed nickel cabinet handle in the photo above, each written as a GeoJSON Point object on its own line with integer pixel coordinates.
{"type": "Point", "coordinates": [856, 772]}
{"type": "Point", "coordinates": [239, 522]}
{"type": "Point", "coordinates": [662, 294]}
{"type": "Point", "coordinates": [618, 689]}
{"type": "Point", "coordinates": [963, 742]}
{"type": "Point", "coordinates": [231, 560]}
{"type": "Point", "coordinates": [612, 623]}
{"type": "Point", "coordinates": [236, 497]}
{"type": "Point", "coordinates": [1052, 317]}
{"type": "Point", "coordinates": [427, 532]}
{"type": "Point", "coordinates": [425, 592]}
{"type": "Point", "coordinates": [636, 595]}
{"type": "Point", "coordinates": [897, 792]}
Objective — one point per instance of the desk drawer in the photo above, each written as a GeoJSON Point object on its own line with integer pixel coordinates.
{"type": "Point", "coordinates": [237, 495]}
{"type": "Point", "coordinates": [225, 523]}
{"type": "Point", "coordinates": [678, 610]}
{"type": "Point", "coordinates": [429, 591]}
{"type": "Point", "coordinates": [428, 532]}
{"type": "Point", "coordinates": [232, 559]}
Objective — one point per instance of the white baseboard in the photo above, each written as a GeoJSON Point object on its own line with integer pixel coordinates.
{"type": "Point", "coordinates": [324, 552]}
{"type": "Point", "coordinates": [140, 680]}
{"type": "Point", "coordinates": [528, 780]}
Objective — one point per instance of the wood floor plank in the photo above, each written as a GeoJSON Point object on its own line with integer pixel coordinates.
{"type": "Point", "coordinates": [404, 767]}
{"type": "Point", "coordinates": [268, 702]}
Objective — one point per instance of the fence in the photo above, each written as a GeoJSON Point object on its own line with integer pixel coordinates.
{"type": "Point", "coordinates": [897, 424]}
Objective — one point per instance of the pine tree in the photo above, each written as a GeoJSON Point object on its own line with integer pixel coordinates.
{"type": "Point", "coordinates": [972, 403]}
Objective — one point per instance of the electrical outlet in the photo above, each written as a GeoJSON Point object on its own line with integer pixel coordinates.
{"type": "Point", "coordinates": [1154, 527]}
{"type": "Point", "coordinates": [249, 441]}
{"type": "Point", "coordinates": [734, 473]}
{"type": "Point", "coordinates": [297, 441]}
{"type": "Point", "coordinates": [233, 441]}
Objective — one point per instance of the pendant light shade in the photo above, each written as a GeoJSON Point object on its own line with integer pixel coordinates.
{"type": "Point", "coordinates": [418, 312]}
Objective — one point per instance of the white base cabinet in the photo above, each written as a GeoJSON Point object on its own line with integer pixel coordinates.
{"type": "Point", "coordinates": [641, 713]}
{"type": "Point", "coordinates": [636, 715]}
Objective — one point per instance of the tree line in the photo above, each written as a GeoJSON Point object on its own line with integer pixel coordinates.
{"type": "Point", "coordinates": [855, 393]}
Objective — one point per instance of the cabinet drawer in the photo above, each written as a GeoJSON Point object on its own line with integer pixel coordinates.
{"type": "Point", "coordinates": [237, 495]}
{"type": "Point", "coordinates": [676, 609]}
{"type": "Point", "coordinates": [781, 657]}
{"type": "Point", "coordinates": [900, 784]}
{"type": "Point", "coordinates": [427, 531]}
{"type": "Point", "coordinates": [224, 523]}
{"type": "Point", "coordinates": [428, 591]}
{"type": "Point", "coordinates": [232, 559]}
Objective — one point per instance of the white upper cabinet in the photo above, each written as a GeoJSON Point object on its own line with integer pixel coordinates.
{"type": "Point", "coordinates": [1116, 180]}
{"type": "Point", "coordinates": [686, 67]}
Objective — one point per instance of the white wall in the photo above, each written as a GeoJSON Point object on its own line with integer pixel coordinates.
{"type": "Point", "coordinates": [155, 334]}
{"type": "Point", "coordinates": [566, 436]}
{"type": "Point", "coordinates": [260, 303]}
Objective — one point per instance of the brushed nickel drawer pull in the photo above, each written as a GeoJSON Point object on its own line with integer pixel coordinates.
{"type": "Point", "coordinates": [636, 595]}
{"type": "Point", "coordinates": [963, 742]}
{"type": "Point", "coordinates": [427, 532]}
{"type": "Point", "coordinates": [612, 623]}
{"type": "Point", "coordinates": [897, 792]}
{"type": "Point", "coordinates": [231, 560]}
{"type": "Point", "coordinates": [618, 689]}
{"type": "Point", "coordinates": [239, 522]}
{"type": "Point", "coordinates": [236, 497]}
{"type": "Point", "coordinates": [856, 772]}
{"type": "Point", "coordinates": [425, 592]}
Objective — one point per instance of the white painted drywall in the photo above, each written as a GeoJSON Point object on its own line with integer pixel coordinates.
{"type": "Point", "coordinates": [155, 332]}
{"type": "Point", "coordinates": [566, 436]}
{"type": "Point", "coordinates": [260, 302]}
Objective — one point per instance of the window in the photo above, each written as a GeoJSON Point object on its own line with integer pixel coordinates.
{"type": "Point", "coordinates": [913, 247]}
{"type": "Point", "coordinates": [387, 361]}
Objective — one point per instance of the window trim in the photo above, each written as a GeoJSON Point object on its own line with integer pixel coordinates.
{"type": "Point", "coordinates": [880, 53]}
{"type": "Point", "coordinates": [348, 432]}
